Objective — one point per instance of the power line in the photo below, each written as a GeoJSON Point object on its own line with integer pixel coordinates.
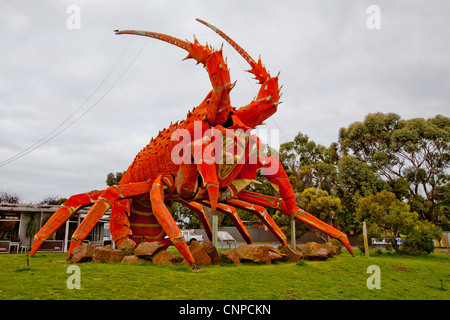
{"type": "Point", "coordinates": [42, 141]}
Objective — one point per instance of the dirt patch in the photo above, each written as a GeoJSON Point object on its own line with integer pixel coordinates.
{"type": "Point", "coordinates": [401, 268]}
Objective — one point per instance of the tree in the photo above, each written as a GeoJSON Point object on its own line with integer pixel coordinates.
{"type": "Point", "coordinates": [355, 179]}
{"type": "Point", "coordinates": [114, 179]}
{"type": "Point", "coordinates": [420, 238]}
{"type": "Point", "coordinates": [414, 152]}
{"type": "Point", "coordinates": [309, 165]}
{"type": "Point", "coordinates": [443, 202]}
{"type": "Point", "coordinates": [320, 204]}
{"type": "Point", "coordinates": [10, 197]}
{"type": "Point", "coordinates": [30, 228]}
{"type": "Point", "coordinates": [423, 147]}
{"type": "Point", "coordinates": [184, 217]}
{"type": "Point", "coordinates": [386, 217]}
{"type": "Point", "coordinates": [53, 200]}
{"type": "Point", "coordinates": [316, 202]}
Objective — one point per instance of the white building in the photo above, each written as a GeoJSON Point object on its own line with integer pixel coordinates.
{"type": "Point", "coordinates": [15, 218]}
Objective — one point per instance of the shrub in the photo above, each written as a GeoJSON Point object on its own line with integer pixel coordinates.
{"type": "Point", "coordinates": [420, 238]}
{"type": "Point", "coordinates": [386, 216]}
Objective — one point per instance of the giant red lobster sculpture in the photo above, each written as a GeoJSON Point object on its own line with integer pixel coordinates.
{"type": "Point", "coordinates": [194, 173]}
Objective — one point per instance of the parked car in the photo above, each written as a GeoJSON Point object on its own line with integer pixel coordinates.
{"type": "Point", "coordinates": [189, 236]}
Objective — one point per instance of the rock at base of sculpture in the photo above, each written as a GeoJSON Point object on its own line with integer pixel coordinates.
{"type": "Point", "coordinates": [309, 247]}
{"type": "Point", "coordinates": [292, 254]}
{"type": "Point", "coordinates": [204, 254]}
{"type": "Point", "coordinates": [127, 246]}
{"type": "Point", "coordinates": [107, 254]}
{"type": "Point", "coordinates": [254, 253]}
{"type": "Point", "coordinates": [317, 251]}
{"type": "Point", "coordinates": [82, 253]}
{"type": "Point", "coordinates": [332, 249]}
{"type": "Point", "coordinates": [273, 256]}
{"type": "Point", "coordinates": [230, 256]}
{"type": "Point", "coordinates": [211, 250]}
{"type": "Point", "coordinates": [134, 259]}
{"type": "Point", "coordinates": [276, 255]}
{"type": "Point", "coordinates": [199, 253]}
{"type": "Point", "coordinates": [146, 250]}
{"type": "Point", "coordinates": [318, 255]}
{"type": "Point", "coordinates": [166, 257]}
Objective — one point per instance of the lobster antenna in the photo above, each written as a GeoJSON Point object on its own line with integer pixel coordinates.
{"type": "Point", "coordinates": [237, 47]}
{"type": "Point", "coordinates": [160, 36]}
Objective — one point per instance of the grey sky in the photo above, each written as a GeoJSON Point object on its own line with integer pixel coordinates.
{"type": "Point", "coordinates": [334, 70]}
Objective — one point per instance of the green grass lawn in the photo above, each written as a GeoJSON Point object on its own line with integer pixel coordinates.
{"type": "Point", "coordinates": [341, 277]}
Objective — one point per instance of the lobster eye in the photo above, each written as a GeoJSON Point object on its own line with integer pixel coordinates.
{"type": "Point", "coordinates": [208, 100]}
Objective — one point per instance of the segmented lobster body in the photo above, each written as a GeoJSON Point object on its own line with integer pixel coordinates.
{"type": "Point", "coordinates": [155, 158]}
{"type": "Point", "coordinates": [206, 160]}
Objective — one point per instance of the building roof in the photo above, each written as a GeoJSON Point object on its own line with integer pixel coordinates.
{"type": "Point", "coordinates": [40, 208]}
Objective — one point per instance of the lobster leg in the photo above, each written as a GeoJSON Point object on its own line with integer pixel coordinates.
{"type": "Point", "coordinates": [104, 202]}
{"type": "Point", "coordinates": [232, 214]}
{"type": "Point", "coordinates": [166, 220]}
{"type": "Point", "coordinates": [262, 214]}
{"type": "Point", "coordinates": [279, 179]}
{"type": "Point", "coordinates": [119, 223]}
{"type": "Point", "coordinates": [67, 209]}
{"type": "Point", "coordinates": [198, 209]}
{"type": "Point", "coordinates": [206, 166]}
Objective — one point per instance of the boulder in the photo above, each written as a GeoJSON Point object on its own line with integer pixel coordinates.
{"type": "Point", "coordinates": [166, 257]}
{"type": "Point", "coordinates": [107, 254]}
{"type": "Point", "coordinates": [310, 247]}
{"type": "Point", "coordinates": [199, 253]}
{"type": "Point", "coordinates": [82, 253]}
{"type": "Point", "coordinates": [292, 254]}
{"type": "Point", "coordinates": [332, 249]}
{"type": "Point", "coordinates": [211, 250]}
{"type": "Point", "coordinates": [146, 250]}
{"type": "Point", "coordinates": [273, 256]}
{"type": "Point", "coordinates": [254, 253]}
{"type": "Point", "coordinates": [230, 256]}
{"type": "Point", "coordinates": [134, 259]}
{"type": "Point", "coordinates": [127, 246]}
{"type": "Point", "coordinates": [277, 255]}
{"type": "Point", "coordinates": [319, 254]}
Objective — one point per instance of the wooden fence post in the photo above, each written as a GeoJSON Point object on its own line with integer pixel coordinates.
{"type": "Point", "coordinates": [366, 246]}
{"type": "Point", "coordinates": [293, 239]}
{"type": "Point", "coordinates": [215, 225]}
